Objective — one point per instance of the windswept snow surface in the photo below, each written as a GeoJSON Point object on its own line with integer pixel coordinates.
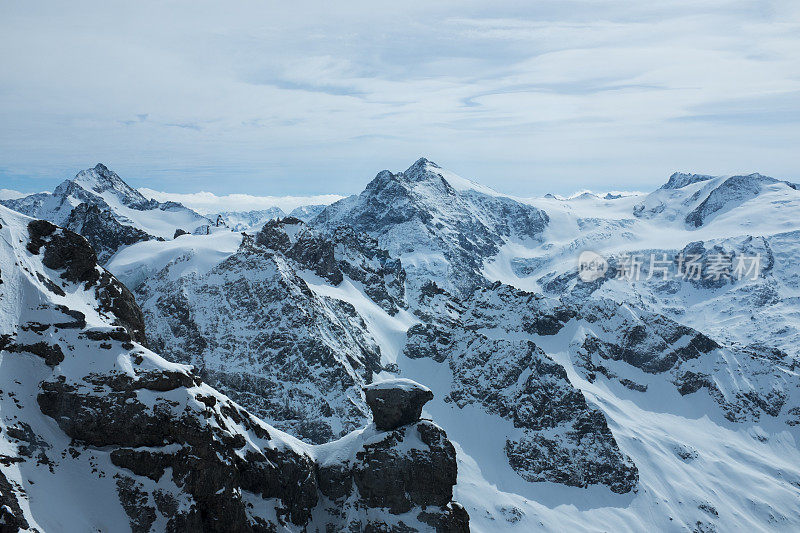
{"type": "Point", "coordinates": [10, 194]}
{"type": "Point", "coordinates": [388, 331]}
{"type": "Point", "coordinates": [195, 254]}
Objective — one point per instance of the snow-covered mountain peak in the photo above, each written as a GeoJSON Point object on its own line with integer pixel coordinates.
{"type": "Point", "coordinates": [431, 176]}
{"type": "Point", "coordinates": [423, 179]}
{"type": "Point", "coordinates": [99, 205]}
{"type": "Point", "coordinates": [733, 193]}
{"type": "Point", "coordinates": [681, 179]}
{"type": "Point", "coordinates": [103, 181]}
{"type": "Point", "coordinates": [440, 225]}
{"type": "Point", "coordinates": [422, 169]}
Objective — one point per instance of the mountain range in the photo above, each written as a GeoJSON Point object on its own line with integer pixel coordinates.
{"type": "Point", "coordinates": [263, 350]}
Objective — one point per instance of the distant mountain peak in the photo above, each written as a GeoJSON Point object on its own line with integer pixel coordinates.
{"type": "Point", "coordinates": [99, 205]}
{"type": "Point", "coordinates": [422, 163]}
{"type": "Point", "coordinates": [101, 179]}
{"type": "Point", "coordinates": [681, 179]}
{"type": "Point", "coordinates": [422, 170]}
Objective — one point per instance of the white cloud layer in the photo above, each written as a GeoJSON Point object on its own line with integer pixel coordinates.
{"type": "Point", "coordinates": [303, 98]}
{"type": "Point", "coordinates": [8, 194]}
{"type": "Point", "coordinates": [207, 203]}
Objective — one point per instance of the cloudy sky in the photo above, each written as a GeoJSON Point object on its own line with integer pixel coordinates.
{"type": "Point", "coordinates": [278, 98]}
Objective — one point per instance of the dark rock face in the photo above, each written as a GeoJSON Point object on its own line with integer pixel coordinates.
{"type": "Point", "coordinates": [386, 478]}
{"type": "Point", "coordinates": [64, 250]}
{"type": "Point", "coordinates": [725, 259]}
{"type": "Point", "coordinates": [339, 253]}
{"type": "Point", "coordinates": [102, 230]}
{"type": "Point", "coordinates": [651, 342]}
{"type": "Point", "coordinates": [453, 518]}
{"type": "Point", "coordinates": [135, 502]}
{"type": "Point", "coordinates": [396, 403]}
{"type": "Point", "coordinates": [204, 460]}
{"type": "Point", "coordinates": [291, 343]}
{"type": "Point", "coordinates": [72, 254]}
{"type": "Point", "coordinates": [486, 341]}
{"type": "Point", "coordinates": [11, 517]}
{"type": "Point", "coordinates": [409, 468]}
{"type": "Point", "coordinates": [292, 355]}
{"type": "Point", "coordinates": [51, 353]}
{"type": "Point", "coordinates": [680, 179]}
{"type": "Point", "coordinates": [115, 299]}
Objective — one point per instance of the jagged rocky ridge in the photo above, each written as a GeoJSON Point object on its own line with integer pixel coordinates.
{"type": "Point", "coordinates": [292, 355]}
{"type": "Point", "coordinates": [254, 220]}
{"type": "Point", "coordinates": [98, 432]}
{"type": "Point", "coordinates": [246, 220]}
{"type": "Point", "coordinates": [488, 341]}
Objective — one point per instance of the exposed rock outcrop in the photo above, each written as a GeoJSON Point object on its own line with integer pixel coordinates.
{"type": "Point", "coordinates": [11, 518]}
{"type": "Point", "coordinates": [396, 402]}
{"type": "Point", "coordinates": [487, 341]}
{"type": "Point", "coordinates": [408, 467]}
{"type": "Point", "coordinates": [338, 254]}
{"type": "Point", "coordinates": [75, 259]}
{"type": "Point", "coordinates": [104, 232]}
